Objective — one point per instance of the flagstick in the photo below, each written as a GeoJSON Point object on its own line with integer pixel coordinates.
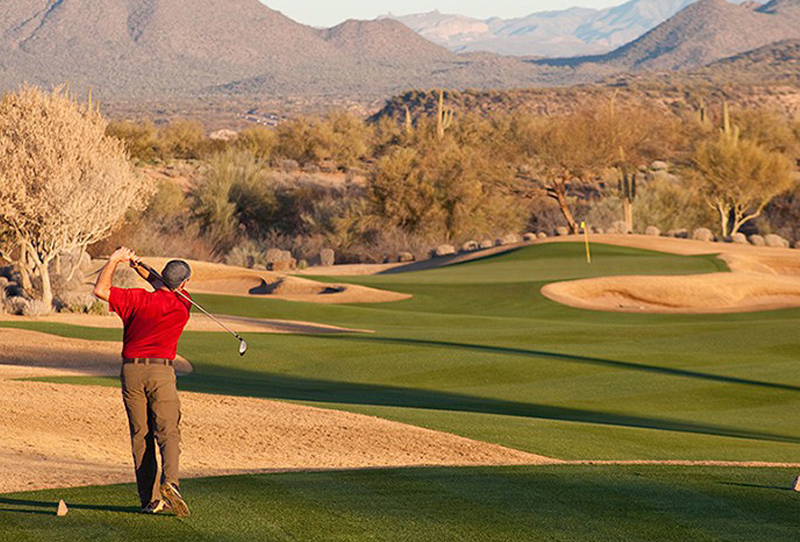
{"type": "Point", "coordinates": [586, 236]}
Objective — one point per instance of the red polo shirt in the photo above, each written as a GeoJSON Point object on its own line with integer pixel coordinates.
{"type": "Point", "coordinates": [153, 321]}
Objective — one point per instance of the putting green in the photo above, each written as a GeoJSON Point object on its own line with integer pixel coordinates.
{"type": "Point", "coordinates": [478, 351]}
{"type": "Point", "coordinates": [487, 504]}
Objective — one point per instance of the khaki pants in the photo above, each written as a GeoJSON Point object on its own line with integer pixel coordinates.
{"type": "Point", "coordinates": [154, 413]}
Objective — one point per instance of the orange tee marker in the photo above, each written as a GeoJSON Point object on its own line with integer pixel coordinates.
{"type": "Point", "coordinates": [586, 236]}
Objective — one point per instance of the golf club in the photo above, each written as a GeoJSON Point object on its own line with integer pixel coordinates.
{"type": "Point", "coordinates": [153, 272]}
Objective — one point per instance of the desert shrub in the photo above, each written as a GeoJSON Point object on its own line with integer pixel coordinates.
{"type": "Point", "coordinates": [211, 196]}
{"type": "Point", "coordinates": [140, 139]}
{"type": "Point", "coordinates": [260, 142]}
{"type": "Point", "coordinates": [782, 216]}
{"type": "Point", "coordinates": [36, 307]}
{"type": "Point", "coordinates": [668, 204]}
{"type": "Point", "coordinates": [77, 302]}
{"type": "Point", "coordinates": [183, 139]}
{"type": "Point", "coordinates": [99, 308]}
{"type": "Point", "coordinates": [247, 253]}
{"type": "Point", "coordinates": [340, 137]}
{"type": "Point", "coordinates": [768, 128]}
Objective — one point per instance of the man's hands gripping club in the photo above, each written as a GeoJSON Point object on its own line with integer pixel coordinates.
{"type": "Point", "coordinates": [102, 287]}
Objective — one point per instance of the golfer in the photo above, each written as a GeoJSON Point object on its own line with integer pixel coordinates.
{"type": "Point", "coordinates": [153, 324]}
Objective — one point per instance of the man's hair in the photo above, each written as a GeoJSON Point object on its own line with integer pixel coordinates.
{"type": "Point", "coordinates": [175, 272]}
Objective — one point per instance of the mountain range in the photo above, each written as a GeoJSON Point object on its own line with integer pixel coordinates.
{"type": "Point", "coordinates": [569, 32]}
{"type": "Point", "coordinates": [208, 49]}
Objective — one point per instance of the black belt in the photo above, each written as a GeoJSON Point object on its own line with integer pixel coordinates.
{"type": "Point", "coordinates": [147, 361]}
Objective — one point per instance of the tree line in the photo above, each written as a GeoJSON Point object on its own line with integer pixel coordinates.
{"type": "Point", "coordinates": [371, 189]}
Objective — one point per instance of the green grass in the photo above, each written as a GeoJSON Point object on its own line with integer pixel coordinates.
{"type": "Point", "coordinates": [478, 351]}
{"type": "Point", "coordinates": [564, 503]}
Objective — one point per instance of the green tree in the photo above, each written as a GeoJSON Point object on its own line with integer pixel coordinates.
{"type": "Point", "coordinates": [738, 177]}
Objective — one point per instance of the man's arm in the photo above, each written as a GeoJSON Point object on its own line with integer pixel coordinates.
{"type": "Point", "coordinates": [102, 288]}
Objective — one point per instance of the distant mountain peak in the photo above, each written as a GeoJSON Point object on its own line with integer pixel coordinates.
{"type": "Point", "coordinates": [562, 33]}
{"type": "Point", "coordinates": [709, 30]}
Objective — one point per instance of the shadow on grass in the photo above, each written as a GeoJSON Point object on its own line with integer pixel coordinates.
{"type": "Point", "coordinates": [569, 358]}
{"type": "Point", "coordinates": [242, 382]}
{"type": "Point", "coordinates": [53, 505]}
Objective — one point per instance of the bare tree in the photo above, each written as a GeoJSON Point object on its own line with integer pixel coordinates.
{"type": "Point", "coordinates": [738, 177]}
{"type": "Point", "coordinates": [64, 184]}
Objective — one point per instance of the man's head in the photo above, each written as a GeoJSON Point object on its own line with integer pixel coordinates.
{"type": "Point", "coordinates": [176, 273]}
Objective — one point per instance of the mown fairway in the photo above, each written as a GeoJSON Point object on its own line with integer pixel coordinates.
{"type": "Point", "coordinates": [480, 352]}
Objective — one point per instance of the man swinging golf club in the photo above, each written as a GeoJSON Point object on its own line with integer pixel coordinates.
{"type": "Point", "coordinates": [153, 324]}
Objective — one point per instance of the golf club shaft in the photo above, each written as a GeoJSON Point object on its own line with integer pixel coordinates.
{"type": "Point", "coordinates": [187, 298]}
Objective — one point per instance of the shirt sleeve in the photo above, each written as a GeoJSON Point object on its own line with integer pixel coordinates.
{"type": "Point", "coordinates": [122, 301]}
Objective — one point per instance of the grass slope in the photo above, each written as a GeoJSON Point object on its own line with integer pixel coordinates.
{"type": "Point", "coordinates": [480, 352]}
{"type": "Point", "coordinates": [485, 504]}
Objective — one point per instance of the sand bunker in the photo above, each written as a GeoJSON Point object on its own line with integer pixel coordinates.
{"type": "Point", "coordinates": [221, 279]}
{"type": "Point", "coordinates": [57, 435]}
{"type": "Point", "coordinates": [716, 292]}
{"type": "Point", "coordinates": [761, 278]}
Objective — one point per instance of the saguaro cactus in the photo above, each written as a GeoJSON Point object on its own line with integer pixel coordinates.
{"type": "Point", "coordinates": [409, 127]}
{"type": "Point", "coordinates": [444, 117]}
{"type": "Point", "coordinates": [627, 189]}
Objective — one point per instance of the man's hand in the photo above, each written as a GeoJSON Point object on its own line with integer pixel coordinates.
{"type": "Point", "coordinates": [123, 254]}
{"type": "Point", "coordinates": [103, 287]}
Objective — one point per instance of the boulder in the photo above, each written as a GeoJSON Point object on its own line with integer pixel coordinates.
{"type": "Point", "coordinates": [659, 165]}
{"type": "Point", "coordinates": [444, 250]}
{"type": "Point", "coordinates": [702, 234]}
{"type": "Point", "coordinates": [327, 257]}
{"type": "Point", "coordinates": [405, 257]}
{"type": "Point", "coordinates": [621, 227]}
{"type": "Point", "coordinates": [653, 231]}
{"type": "Point", "coordinates": [529, 237]}
{"type": "Point", "coordinates": [541, 235]}
{"type": "Point", "coordinates": [797, 245]}
{"type": "Point", "coordinates": [3, 283]}
{"type": "Point", "coordinates": [274, 255]}
{"type": "Point", "coordinates": [739, 238]}
{"type": "Point", "coordinates": [757, 241]}
{"type": "Point", "coordinates": [223, 135]}
{"type": "Point", "coordinates": [598, 231]}
{"type": "Point", "coordinates": [562, 231]}
{"type": "Point", "coordinates": [776, 241]}
{"type": "Point", "coordinates": [260, 267]}
{"type": "Point", "coordinates": [486, 243]}
{"type": "Point", "coordinates": [509, 239]}
{"type": "Point", "coordinates": [681, 233]}
{"type": "Point", "coordinates": [470, 246]}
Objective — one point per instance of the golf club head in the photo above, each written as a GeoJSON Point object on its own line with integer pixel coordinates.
{"type": "Point", "coordinates": [242, 347]}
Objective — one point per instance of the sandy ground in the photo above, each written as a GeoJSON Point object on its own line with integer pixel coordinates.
{"type": "Point", "coordinates": [761, 278]}
{"type": "Point", "coordinates": [56, 435]}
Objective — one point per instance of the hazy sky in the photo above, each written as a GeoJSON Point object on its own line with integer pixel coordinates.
{"type": "Point", "coordinates": [332, 12]}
